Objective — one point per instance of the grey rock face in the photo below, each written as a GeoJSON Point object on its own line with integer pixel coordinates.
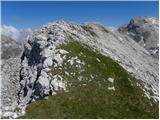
{"type": "Point", "coordinates": [38, 55]}
{"type": "Point", "coordinates": [10, 86]}
{"type": "Point", "coordinates": [145, 31]}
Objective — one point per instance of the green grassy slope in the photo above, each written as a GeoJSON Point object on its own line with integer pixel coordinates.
{"type": "Point", "coordinates": [89, 97]}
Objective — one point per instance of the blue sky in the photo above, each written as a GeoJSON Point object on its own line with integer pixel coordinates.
{"type": "Point", "coordinates": [34, 14]}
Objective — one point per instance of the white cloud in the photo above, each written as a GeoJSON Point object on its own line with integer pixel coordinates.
{"type": "Point", "coordinates": [10, 31]}
{"type": "Point", "coordinates": [14, 33]}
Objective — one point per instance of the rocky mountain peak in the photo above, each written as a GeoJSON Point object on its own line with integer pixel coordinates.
{"type": "Point", "coordinates": [144, 30]}
{"type": "Point", "coordinates": [138, 20]}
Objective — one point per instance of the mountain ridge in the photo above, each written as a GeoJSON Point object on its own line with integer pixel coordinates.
{"type": "Point", "coordinates": [40, 54]}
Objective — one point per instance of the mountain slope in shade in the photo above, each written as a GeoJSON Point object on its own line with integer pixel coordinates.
{"type": "Point", "coordinates": [10, 48]}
